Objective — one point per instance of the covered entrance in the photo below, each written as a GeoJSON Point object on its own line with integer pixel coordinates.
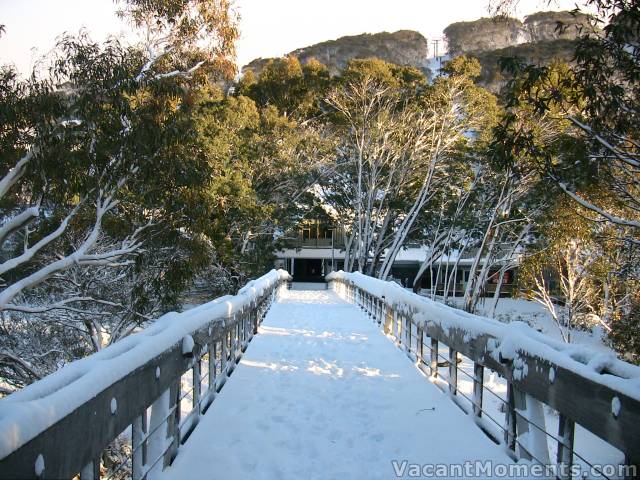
{"type": "Point", "coordinates": [308, 270]}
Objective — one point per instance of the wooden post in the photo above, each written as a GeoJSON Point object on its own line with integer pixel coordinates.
{"type": "Point", "coordinates": [138, 445]}
{"type": "Point", "coordinates": [253, 316]}
{"type": "Point", "coordinates": [173, 423]}
{"type": "Point", "coordinates": [420, 346]}
{"type": "Point", "coordinates": [241, 331]}
{"type": "Point", "coordinates": [510, 418]}
{"type": "Point", "coordinates": [408, 327]}
{"type": "Point", "coordinates": [91, 470]}
{"type": "Point", "coordinates": [453, 371]}
{"type": "Point", "coordinates": [530, 411]}
{"type": "Point", "coordinates": [225, 354]}
{"type": "Point", "coordinates": [212, 372]}
{"type": "Point", "coordinates": [478, 388]}
{"type": "Point", "coordinates": [566, 429]}
{"type": "Point", "coordinates": [232, 345]}
{"type": "Point", "coordinates": [388, 321]}
{"type": "Point", "coordinates": [433, 366]}
{"type": "Point", "coordinates": [157, 438]}
{"type": "Point", "coordinates": [197, 388]}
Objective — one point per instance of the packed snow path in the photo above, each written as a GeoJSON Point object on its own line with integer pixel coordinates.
{"type": "Point", "coordinates": [321, 393]}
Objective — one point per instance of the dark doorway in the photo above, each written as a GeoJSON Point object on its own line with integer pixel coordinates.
{"type": "Point", "coordinates": [308, 270]}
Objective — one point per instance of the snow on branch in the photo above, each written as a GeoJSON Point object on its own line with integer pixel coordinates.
{"type": "Point", "coordinates": [81, 256]}
{"type": "Point", "coordinates": [590, 206]}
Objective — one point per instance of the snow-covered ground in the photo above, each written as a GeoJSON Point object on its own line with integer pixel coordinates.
{"type": "Point", "coordinates": [321, 393]}
{"type": "Point", "coordinates": [534, 314]}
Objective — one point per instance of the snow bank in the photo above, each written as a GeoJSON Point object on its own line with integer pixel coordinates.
{"type": "Point", "coordinates": [30, 411]}
{"type": "Point", "coordinates": [508, 339]}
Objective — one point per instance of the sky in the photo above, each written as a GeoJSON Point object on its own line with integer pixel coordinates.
{"type": "Point", "coordinates": [268, 27]}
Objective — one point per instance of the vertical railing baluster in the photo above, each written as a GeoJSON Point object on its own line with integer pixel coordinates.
{"type": "Point", "coordinates": [388, 323]}
{"type": "Point", "coordinates": [433, 364]}
{"type": "Point", "coordinates": [408, 328]}
{"type": "Point", "coordinates": [197, 388]}
{"type": "Point", "coordinates": [224, 355]}
{"type": "Point", "coordinates": [453, 371]}
{"type": "Point", "coordinates": [478, 388]}
{"type": "Point", "coordinates": [566, 430]}
{"type": "Point", "coordinates": [254, 317]}
{"type": "Point", "coordinates": [212, 374]}
{"type": "Point", "coordinates": [173, 423]}
{"type": "Point", "coordinates": [91, 471]}
{"type": "Point", "coordinates": [139, 445]}
{"type": "Point", "coordinates": [510, 418]}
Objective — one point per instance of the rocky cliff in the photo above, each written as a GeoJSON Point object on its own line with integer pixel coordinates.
{"type": "Point", "coordinates": [495, 33]}
{"type": "Point", "coordinates": [537, 39]}
{"type": "Point", "coordinates": [404, 47]}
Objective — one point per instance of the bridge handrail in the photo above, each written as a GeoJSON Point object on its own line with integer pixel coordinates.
{"type": "Point", "coordinates": [594, 390]}
{"type": "Point", "coordinates": [59, 426]}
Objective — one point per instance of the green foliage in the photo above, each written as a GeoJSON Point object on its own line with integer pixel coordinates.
{"type": "Point", "coordinates": [294, 89]}
{"type": "Point", "coordinates": [577, 125]}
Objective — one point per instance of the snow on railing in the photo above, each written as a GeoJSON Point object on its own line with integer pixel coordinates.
{"type": "Point", "coordinates": [58, 427]}
{"type": "Point", "coordinates": [595, 390]}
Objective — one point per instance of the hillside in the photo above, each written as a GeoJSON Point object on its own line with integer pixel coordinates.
{"type": "Point", "coordinates": [537, 39]}
{"type": "Point", "coordinates": [404, 47]}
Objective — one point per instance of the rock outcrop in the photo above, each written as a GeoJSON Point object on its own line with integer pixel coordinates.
{"type": "Point", "coordinates": [538, 39]}
{"type": "Point", "coordinates": [495, 33]}
{"type": "Point", "coordinates": [404, 47]}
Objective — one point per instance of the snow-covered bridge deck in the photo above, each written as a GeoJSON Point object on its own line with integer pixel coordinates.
{"type": "Point", "coordinates": [322, 393]}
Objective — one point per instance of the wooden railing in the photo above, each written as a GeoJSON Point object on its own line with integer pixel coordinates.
{"type": "Point", "coordinates": [146, 402]}
{"type": "Point", "coordinates": [534, 377]}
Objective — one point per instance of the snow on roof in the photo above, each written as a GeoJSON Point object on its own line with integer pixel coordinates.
{"type": "Point", "coordinates": [509, 338]}
{"type": "Point", "coordinates": [28, 412]}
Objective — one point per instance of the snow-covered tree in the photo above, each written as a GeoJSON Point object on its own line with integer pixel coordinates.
{"type": "Point", "coordinates": [81, 142]}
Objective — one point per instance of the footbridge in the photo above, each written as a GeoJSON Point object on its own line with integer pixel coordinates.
{"type": "Point", "coordinates": [361, 380]}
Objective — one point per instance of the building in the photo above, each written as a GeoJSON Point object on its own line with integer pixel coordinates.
{"type": "Point", "coordinates": [317, 248]}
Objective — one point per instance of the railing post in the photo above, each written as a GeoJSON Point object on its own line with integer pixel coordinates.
{"type": "Point", "coordinates": [433, 365]}
{"type": "Point", "coordinates": [160, 410]}
{"type": "Point", "coordinates": [91, 470]}
{"type": "Point", "coordinates": [139, 446]}
{"type": "Point", "coordinates": [408, 327]}
{"type": "Point", "coordinates": [478, 388]}
{"type": "Point", "coordinates": [566, 429]}
{"type": "Point", "coordinates": [254, 316]}
{"type": "Point", "coordinates": [173, 423]}
{"type": "Point", "coordinates": [212, 372]}
{"type": "Point", "coordinates": [453, 371]}
{"type": "Point", "coordinates": [388, 322]}
{"type": "Point", "coordinates": [224, 359]}
{"type": "Point", "coordinates": [197, 388]}
{"type": "Point", "coordinates": [510, 418]}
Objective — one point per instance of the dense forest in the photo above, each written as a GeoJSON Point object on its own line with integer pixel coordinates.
{"type": "Point", "coordinates": [132, 174]}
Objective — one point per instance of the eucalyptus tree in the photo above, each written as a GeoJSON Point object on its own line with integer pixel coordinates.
{"type": "Point", "coordinates": [577, 125]}
{"type": "Point", "coordinates": [83, 140]}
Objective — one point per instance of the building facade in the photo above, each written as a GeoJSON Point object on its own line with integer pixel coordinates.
{"type": "Point", "coordinates": [317, 249]}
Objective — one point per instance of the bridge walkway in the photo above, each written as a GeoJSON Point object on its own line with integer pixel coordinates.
{"type": "Point", "coordinates": [321, 393]}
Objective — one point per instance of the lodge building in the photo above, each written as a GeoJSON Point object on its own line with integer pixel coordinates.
{"type": "Point", "coordinates": [317, 248]}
